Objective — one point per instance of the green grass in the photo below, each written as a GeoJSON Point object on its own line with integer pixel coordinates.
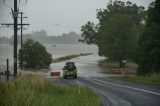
{"type": "Point", "coordinates": [150, 79]}
{"type": "Point", "coordinates": [60, 59]}
{"type": "Point", "coordinates": [30, 90]}
{"type": "Point", "coordinates": [115, 65]}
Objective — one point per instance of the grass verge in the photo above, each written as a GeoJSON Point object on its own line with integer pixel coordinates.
{"type": "Point", "coordinates": [149, 79]}
{"type": "Point", "coordinates": [30, 90]}
{"type": "Point", "coordinates": [115, 65]}
{"type": "Point", "coordinates": [60, 59]}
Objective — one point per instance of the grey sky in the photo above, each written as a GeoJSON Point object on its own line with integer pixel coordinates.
{"type": "Point", "coordinates": [63, 16]}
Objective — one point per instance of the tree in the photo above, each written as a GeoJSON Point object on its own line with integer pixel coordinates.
{"type": "Point", "coordinates": [89, 33]}
{"type": "Point", "coordinates": [118, 7]}
{"type": "Point", "coordinates": [148, 50]}
{"type": "Point", "coordinates": [118, 30]}
{"type": "Point", "coordinates": [117, 41]}
{"type": "Point", "coordinates": [34, 55]}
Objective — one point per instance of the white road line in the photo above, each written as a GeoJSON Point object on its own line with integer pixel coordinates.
{"type": "Point", "coordinates": [138, 89]}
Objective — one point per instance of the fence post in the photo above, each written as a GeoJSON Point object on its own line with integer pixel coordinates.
{"type": "Point", "coordinates": [8, 73]}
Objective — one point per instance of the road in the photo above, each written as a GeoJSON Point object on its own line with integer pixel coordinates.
{"type": "Point", "coordinates": [112, 92]}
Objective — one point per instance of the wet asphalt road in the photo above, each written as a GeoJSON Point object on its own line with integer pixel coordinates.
{"type": "Point", "coordinates": [119, 94]}
{"type": "Point", "coordinates": [112, 95]}
{"type": "Point", "coordinates": [112, 92]}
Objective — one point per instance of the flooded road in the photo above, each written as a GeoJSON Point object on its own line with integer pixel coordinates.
{"type": "Point", "coordinates": [111, 92]}
{"type": "Point", "coordinates": [87, 66]}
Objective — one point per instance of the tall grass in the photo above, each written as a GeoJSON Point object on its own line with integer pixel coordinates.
{"type": "Point", "coordinates": [150, 79]}
{"type": "Point", "coordinates": [32, 90]}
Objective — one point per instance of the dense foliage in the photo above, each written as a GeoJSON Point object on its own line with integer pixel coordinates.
{"type": "Point", "coordinates": [118, 30]}
{"type": "Point", "coordinates": [148, 51]}
{"type": "Point", "coordinates": [117, 40]}
{"type": "Point", "coordinates": [89, 33]}
{"type": "Point", "coordinates": [34, 55]}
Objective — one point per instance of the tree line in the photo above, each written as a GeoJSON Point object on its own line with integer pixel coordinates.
{"type": "Point", "coordinates": [127, 31]}
{"type": "Point", "coordinates": [42, 37]}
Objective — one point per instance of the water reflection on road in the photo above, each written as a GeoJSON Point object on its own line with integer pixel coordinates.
{"type": "Point", "coordinates": [86, 66]}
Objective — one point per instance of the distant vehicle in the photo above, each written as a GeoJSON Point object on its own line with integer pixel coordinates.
{"type": "Point", "coordinates": [70, 70]}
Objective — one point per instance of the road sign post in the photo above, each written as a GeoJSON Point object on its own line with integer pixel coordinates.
{"type": "Point", "coordinates": [123, 65]}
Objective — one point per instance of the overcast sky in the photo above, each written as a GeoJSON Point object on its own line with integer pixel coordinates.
{"type": "Point", "coordinates": [59, 16]}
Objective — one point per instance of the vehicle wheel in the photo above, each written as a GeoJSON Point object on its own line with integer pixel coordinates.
{"type": "Point", "coordinates": [75, 77]}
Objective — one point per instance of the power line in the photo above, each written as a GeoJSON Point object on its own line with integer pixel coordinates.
{"type": "Point", "coordinates": [10, 24]}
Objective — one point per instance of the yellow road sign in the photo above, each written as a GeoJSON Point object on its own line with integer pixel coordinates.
{"type": "Point", "coordinates": [55, 73]}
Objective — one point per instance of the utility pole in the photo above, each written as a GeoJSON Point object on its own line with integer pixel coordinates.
{"type": "Point", "coordinates": [15, 25]}
{"type": "Point", "coordinates": [22, 27]}
{"type": "Point", "coordinates": [15, 16]}
{"type": "Point", "coordinates": [22, 37]}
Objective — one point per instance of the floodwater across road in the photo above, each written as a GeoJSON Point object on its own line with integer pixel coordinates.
{"type": "Point", "coordinates": [86, 65]}
{"type": "Point", "coordinates": [112, 92]}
